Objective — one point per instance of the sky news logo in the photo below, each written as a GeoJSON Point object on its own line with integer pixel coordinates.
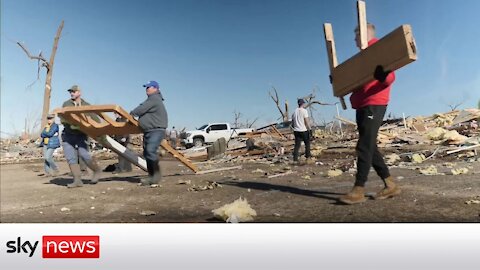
{"type": "Point", "coordinates": [59, 246]}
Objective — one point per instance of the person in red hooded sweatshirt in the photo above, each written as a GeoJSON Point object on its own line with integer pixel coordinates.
{"type": "Point", "coordinates": [370, 102]}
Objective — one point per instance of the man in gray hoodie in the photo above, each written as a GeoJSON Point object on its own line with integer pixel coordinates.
{"type": "Point", "coordinates": [153, 120]}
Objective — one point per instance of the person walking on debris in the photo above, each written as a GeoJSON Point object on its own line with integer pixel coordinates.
{"type": "Point", "coordinates": [153, 120]}
{"type": "Point", "coordinates": [123, 164]}
{"type": "Point", "coordinates": [50, 142]}
{"type": "Point", "coordinates": [301, 129]}
{"type": "Point", "coordinates": [173, 138]}
{"type": "Point", "coordinates": [75, 142]}
{"type": "Point", "coordinates": [370, 102]}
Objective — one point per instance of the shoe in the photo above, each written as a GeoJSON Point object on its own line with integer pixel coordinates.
{"type": "Point", "coordinates": [92, 164]}
{"type": "Point", "coordinates": [357, 195]}
{"type": "Point", "coordinates": [311, 161]}
{"type": "Point", "coordinates": [147, 181]}
{"type": "Point", "coordinates": [77, 176]}
{"type": "Point", "coordinates": [391, 189]}
{"type": "Point", "coordinates": [157, 173]}
{"type": "Point", "coordinates": [84, 172]}
{"type": "Point", "coordinates": [55, 173]}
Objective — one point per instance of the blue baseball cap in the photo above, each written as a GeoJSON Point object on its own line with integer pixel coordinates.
{"type": "Point", "coordinates": [151, 83]}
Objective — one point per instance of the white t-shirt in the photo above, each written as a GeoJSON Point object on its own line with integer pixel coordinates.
{"type": "Point", "coordinates": [298, 119]}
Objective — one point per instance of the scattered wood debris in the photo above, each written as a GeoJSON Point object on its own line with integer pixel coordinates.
{"type": "Point", "coordinates": [208, 186]}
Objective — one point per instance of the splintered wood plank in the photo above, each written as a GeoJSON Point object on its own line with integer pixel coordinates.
{"type": "Point", "coordinates": [332, 54]}
{"type": "Point", "coordinates": [362, 24]}
{"type": "Point", "coordinates": [179, 156]}
{"type": "Point", "coordinates": [278, 132]}
{"type": "Point", "coordinates": [220, 169]}
{"type": "Point", "coordinates": [330, 43]}
{"type": "Point", "coordinates": [394, 51]}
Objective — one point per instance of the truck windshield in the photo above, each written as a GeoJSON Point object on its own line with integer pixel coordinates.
{"type": "Point", "coordinates": [202, 127]}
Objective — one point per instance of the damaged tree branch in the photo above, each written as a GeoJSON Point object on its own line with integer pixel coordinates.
{"type": "Point", "coordinates": [39, 57]}
{"type": "Point", "coordinates": [277, 102]}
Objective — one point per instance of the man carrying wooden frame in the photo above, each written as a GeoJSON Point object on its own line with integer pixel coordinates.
{"type": "Point", "coordinates": [370, 102]}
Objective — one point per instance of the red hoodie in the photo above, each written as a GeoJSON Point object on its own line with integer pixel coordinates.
{"type": "Point", "coordinates": [374, 92]}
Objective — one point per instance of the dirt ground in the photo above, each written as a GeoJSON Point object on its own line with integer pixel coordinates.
{"type": "Point", "coordinates": [26, 196]}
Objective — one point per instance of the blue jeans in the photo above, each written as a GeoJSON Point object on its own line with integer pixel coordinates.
{"type": "Point", "coordinates": [75, 145]}
{"type": "Point", "coordinates": [49, 163]}
{"type": "Point", "coordinates": [151, 142]}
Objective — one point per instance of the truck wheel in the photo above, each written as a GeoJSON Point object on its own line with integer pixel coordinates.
{"type": "Point", "coordinates": [197, 142]}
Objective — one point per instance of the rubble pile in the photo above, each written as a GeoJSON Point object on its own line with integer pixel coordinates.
{"type": "Point", "coordinates": [19, 151]}
{"type": "Point", "coordinates": [406, 143]}
{"type": "Point", "coordinates": [454, 132]}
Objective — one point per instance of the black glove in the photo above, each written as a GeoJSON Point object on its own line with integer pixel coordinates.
{"type": "Point", "coordinates": [310, 134]}
{"type": "Point", "coordinates": [380, 74]}
{"type": "Point", "coordinates": [331, 80]}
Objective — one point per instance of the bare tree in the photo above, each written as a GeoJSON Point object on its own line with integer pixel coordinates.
{"type": "Point", "coordinates": [30, 129]}
{"type": "Point", "coordinates": [49, 66]}
{"type": "Point", "coordinates": [236, 121]}
{"type": "Point", "coordinates": [311, 100]}
{"type": "Point", "coordinates": [454, 106]}
{"type": "Point", "coordinates": [275, 99]}
{"type": "Point", "coordinates": [249, 124]}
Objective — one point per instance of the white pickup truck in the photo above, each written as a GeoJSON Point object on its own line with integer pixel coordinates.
{"type": "Point", "coordinates": [209, 133]}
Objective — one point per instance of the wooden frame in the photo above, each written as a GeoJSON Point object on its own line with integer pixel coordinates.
{"type": "Point", "coordinates": [81, 116]}
{"type": "Point", "coordinates": [393, 51]}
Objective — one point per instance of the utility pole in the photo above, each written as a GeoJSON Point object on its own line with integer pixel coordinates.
{"type": "Point", "coordinates": [49, 66]}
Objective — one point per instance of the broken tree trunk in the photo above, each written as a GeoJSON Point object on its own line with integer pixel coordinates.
{"type": "Point", "coordinates": [48, 80]}
{"type": "Point", "coordinates": [49, 67]}
{"type": "Point", "coordinates": [277, 102]}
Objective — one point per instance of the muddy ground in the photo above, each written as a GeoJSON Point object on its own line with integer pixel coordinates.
{"type": "Point", "coordinates": [307, 195]}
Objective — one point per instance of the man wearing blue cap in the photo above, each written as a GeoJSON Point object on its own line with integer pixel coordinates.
{"type": "Point", "coordinates": [153, 120]}
{"type": "Point", "coordinates": [301, 129]}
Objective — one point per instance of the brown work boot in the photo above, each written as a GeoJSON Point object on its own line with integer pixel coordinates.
{"type": "Point", "coordinates": [357, 195]}
{"type": "Point", "coordinates": [391, 189]}
{"type": "Point", "coordinates": [77, 176]}
{"type": "Point", "coordinates": [92, 164]}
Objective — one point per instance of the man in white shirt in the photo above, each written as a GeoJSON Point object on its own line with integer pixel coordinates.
{"type": "Point", "coordinates": [173, 137]}
{"type": "Point", "coordinates": [301, 129]}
